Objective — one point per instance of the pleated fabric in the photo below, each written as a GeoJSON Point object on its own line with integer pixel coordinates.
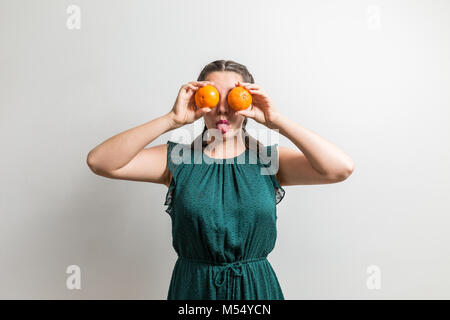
{"type": "Point", "coordinates": [223, 214]}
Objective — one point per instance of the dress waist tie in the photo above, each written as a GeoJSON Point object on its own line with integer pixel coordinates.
{"type": "Point", "coordinates": [235, 267]}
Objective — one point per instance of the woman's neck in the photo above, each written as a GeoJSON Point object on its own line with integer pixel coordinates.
{"type": "Point", "coordinates": [228, 147]}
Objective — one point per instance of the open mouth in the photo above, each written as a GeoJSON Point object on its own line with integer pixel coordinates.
{"type": "Point", "coordinates": [223, 126]}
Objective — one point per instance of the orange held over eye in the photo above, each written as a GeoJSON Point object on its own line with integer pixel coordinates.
{"type": "Point", "coordinates": [239, 98]}
{"type": "Point", "coordinates": [207, 97]}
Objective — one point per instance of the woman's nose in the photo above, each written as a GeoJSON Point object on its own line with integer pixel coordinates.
{"type": "Point", "coordinates": [223, 105]}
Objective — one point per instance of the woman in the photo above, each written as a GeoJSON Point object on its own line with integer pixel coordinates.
{"type": "Point", "coordinates": [222, 200]}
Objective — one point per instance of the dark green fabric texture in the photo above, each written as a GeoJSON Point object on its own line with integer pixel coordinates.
{"type": "Point", "coordinates": [223, 214]}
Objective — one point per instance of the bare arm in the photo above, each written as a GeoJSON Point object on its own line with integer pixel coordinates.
{"type": "Point", "coordinates": [317, 161]}
{"type": "Point", "coordinates": [123, 156]}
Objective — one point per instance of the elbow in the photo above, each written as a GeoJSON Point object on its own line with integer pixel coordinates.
{"type": "Point", "coordinates": [90, 161]}
{"type": "Point", "coordinates": [97, 169]}
{"type": "Point", "coordinates": [347, 172]}
{"type": "Point", "coordinates": [343, 174]}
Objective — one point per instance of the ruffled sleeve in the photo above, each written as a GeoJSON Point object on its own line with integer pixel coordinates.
{"type": "Point", "coordinates": [173, 168]}
{"type": "Point", "coordinates": [279, 191]}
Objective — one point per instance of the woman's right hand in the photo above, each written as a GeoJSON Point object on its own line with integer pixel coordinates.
{"type": "Point", "coordinates": [185, 110]}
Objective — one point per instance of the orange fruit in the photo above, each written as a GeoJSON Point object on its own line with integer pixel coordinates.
{"type": "Point", "coordinates": [207, 97]}
{"type": "Point", "coordinates": [239, 98]}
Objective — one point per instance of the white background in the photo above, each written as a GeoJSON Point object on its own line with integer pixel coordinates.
{"type": "Point", "coordinates": [373, 77]}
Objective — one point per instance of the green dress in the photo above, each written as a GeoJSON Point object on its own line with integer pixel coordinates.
{"type": "Point", "coordinates": [223, 214]}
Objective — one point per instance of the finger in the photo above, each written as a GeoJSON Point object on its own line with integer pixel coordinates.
{"type": "Point", "coordinates": [186, 85]}
{"type": "Point", "coordinates": [256, 92]}
{"type": "Point", "coordinates": [251, 87]}
{"type": "Point", "coordinates": [210, 83]}
{"type": "Point", "coordinates": [189, 89]}
{"type": "Point", "coordinates": [245, 114]}
{"type": "Point", "coordinates": [203, 83]}
{"type": "Point", "coordinates": [197, 84]}
{"type": "Point", "coordinates": [247, 84]}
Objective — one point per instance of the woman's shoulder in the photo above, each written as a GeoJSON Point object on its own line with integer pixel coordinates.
{"type": "Point", "coordinates": [267, 158]}
{"type": "Point", "coordinates": [175, 148]}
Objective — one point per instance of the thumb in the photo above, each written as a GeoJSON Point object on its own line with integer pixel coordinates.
{"type": "Point", "coordinates": [201, 112]}
{"type": "Point", "coordinates": [244, 113]}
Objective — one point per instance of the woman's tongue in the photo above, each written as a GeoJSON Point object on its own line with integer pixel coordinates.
{"type": "Point", "coordinates": [223, 127]}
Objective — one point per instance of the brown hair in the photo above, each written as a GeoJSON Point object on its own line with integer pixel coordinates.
{"type": "Point", "coordinates": [229, 65]}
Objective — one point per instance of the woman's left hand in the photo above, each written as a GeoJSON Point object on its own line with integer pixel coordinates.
{"type": "Point", "coordinates": [262, 109]}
